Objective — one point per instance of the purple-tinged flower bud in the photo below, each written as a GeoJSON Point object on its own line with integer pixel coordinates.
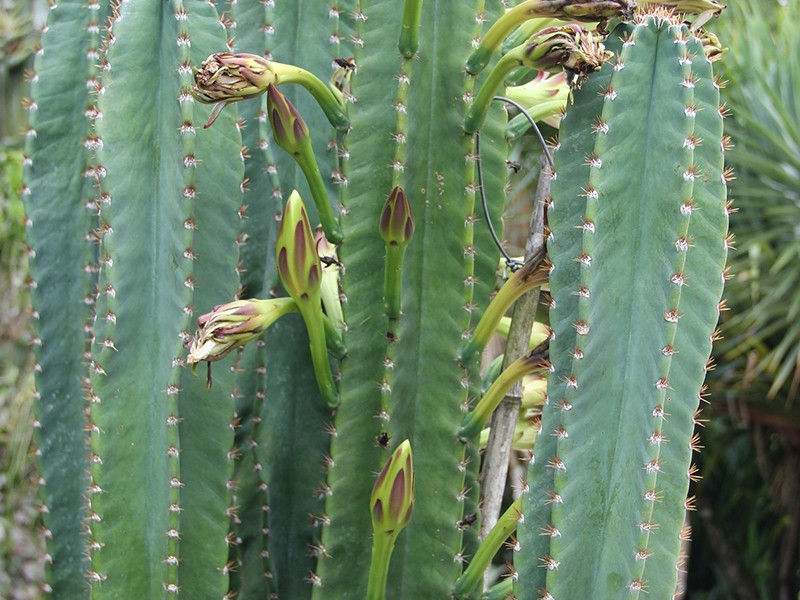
{"type": "Point", "coordinates": [397, 222]}
{"type": "Point", "coordinates": [300, 271]}
{"type": "Point", "coordinates": [291, 132]}
{"type": "Point", "coordinates": [392, 499]}
{"type": "Point", "coordinates": [298, 263]}
{"type": "Point", "coordinates": [232, 325]}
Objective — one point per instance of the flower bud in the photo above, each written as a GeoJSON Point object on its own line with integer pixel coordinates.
{"type": "Point", "coordinates": [392, 500]}
{"type": "Point", "coordinates": [397, 222]}
{"type": "Point", "coordinates": [291, 132]}
{"type": "Point", "coordinates": [232, 325]}
{"type": "Point", "coordinates": [298, 263]}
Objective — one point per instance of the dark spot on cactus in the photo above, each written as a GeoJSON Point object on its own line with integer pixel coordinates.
{"type": "Point", "coordinates": [348, 63]}
{"type": "Point", "coordinates": [467, 521]}
{"type": "Point", "coordinates": [382, 440]}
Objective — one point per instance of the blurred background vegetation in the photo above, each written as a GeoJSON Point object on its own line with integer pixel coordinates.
{"type": "Point", "coordinates": [746, 529]}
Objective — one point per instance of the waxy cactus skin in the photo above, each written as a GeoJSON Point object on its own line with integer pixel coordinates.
{"type": "Point", "coordinates": [145, 227]}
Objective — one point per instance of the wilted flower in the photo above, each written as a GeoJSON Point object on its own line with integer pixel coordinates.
{"type": "Point", "coordinates": [224, 78]}
{"type": "Point", "coordinates": [232, 325]}
{"type": "Point", "coordinates": [571, 47]}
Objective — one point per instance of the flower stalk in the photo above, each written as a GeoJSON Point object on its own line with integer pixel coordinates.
{"type": "Point", "coordinates": [409, 29]}
{"type": "Point", "coordinates": [224, 78]}
{"type": "Point", "coordinates": [533, 361]}
{"type": "Point", "coordinates": [397, 229]}
{"type": "Point", "coordinates": [532, 274]}
{"type": "Point", "coordinates": [300, 272]}
{"type": "Point", "coordinates": [505, 526]}
{"type": "Point", "coordinates": [391, 506]}
{"type": "Point", "coordinates": [569, 47]}
{"type": "Point", "coordinates": [568, 10]}
{"type": "Point", "coordinates": [292, 136]}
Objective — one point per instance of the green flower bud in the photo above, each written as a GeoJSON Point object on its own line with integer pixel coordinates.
{"type": "Point", "coordinates": [397, 222]}
{"type": "Point", "coordinates": [232, 325]}
{"type": "Point", "coordinates": [392, 499]}
{"type": "Point", "coordinates": [298, 263]}
{"type": "Point", "coordinates": [396, 228]}
{"type": "Point", "coordinates": [544, 98]}
{"type": "Point", "coordinates": [712, 47]}
{"type": "Point", "coordinates": [291, 132]}
{"type": "Point", "coordinates": [301, 273]}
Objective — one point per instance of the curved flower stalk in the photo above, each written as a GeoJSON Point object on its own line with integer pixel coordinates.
{"type": "Point", "coordinates": [569, 47]}
{"type": "Point", "coordinates": [301, 272]}
{"type": "Point", "coordinates": [568, 10]}
{"type": "Point", "coordinates": [535, 360]}
{"type": "Point", "coordinates": [531, 275]}
{"type": "Point", "coordinates": [224, 78]}
{"type": "Point", "coordinates": [232, 325]}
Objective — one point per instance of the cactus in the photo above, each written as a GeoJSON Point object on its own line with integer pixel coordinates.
{"type": "Point", "coordinates": [257, 479]}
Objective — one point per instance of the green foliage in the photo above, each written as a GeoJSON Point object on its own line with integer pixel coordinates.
{"type": "Point", "coordinates": [158, 481]}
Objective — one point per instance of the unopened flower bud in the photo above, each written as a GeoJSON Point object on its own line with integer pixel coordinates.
{"type": "Point", "coordinates": [298, 263]}
{"type": "Point", "coordinates": [292, 135]}
{"type": "Point", "coordinates": [291, 132]}
{"type": "Point", "coordinates": [396, 228]}
{"type": "Point", "coordinates": [301, 273]}
{"type": "Point", "coordinates": [232, 325]}
{"type": "Point", "coordinates": [392, 499]}
{"type": "Point", "coordinates": [397, 222]}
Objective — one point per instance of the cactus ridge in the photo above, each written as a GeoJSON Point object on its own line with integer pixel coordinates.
{"type": "Point", "coordinates": [563, 239]}
{"type": "Point", "coordinates": [704, 262]}
{"type": "Point", "coordinates": [63, 273]}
